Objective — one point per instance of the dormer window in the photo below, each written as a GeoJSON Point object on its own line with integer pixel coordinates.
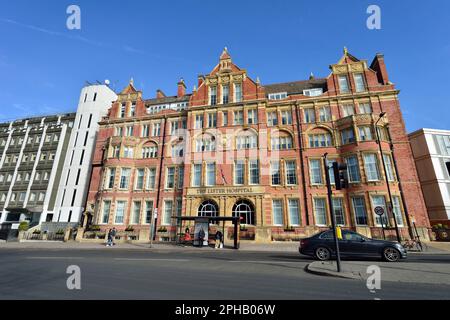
{"type": "Point", "coordinates": [313, 92]}
{"type": "Point", "coordinates": [237, 92]}
{"type": "Point", "coordinates": [343, 84]}
{"type": "Point", "coordinates": [278, 96]}
{"type": "Point", "coordinates": [122, 110]}
{"type": "Point", "coordinates": [225, 94]}
{"type": "Point", "coordinates": [213, 96]}
{"type": "Point", "coordinates": [132, 110]}
{"type": "Point", "coordinates": [359, 82]}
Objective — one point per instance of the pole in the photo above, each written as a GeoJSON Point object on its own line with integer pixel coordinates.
{"type": "Point", "coordinates": [152, 222]}
{"type": "Point", "coordinates": [333, 219]}
{"type": "Point", "coordinates": [390, 206]}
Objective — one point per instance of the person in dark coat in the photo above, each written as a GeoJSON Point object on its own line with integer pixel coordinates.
{"type": "Point", "coordinates": [201, 237]}
{"type": "Point", "coordinates": [219, 239]}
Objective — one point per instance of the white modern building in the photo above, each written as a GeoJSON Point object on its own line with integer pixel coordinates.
{"type": "Point", "coordinates": [431, 150]}
{"type": "Point", "coordinates": [95, 100]}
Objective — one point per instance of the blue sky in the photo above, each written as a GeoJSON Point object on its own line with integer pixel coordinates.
{"type": "Point", "coordinates": [43, 65]}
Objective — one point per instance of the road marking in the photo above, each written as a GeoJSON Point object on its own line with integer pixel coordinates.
{"type": "Point", "coordinates": [136, 259]}
{"type": "Point", "coordinates": [48, 258]}
{"type": "Point", "coordinates": [262, 261]}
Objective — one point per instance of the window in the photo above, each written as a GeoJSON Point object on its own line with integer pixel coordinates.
{"type": "Point", "coordinates": [225, 94]}
{"type": "Point", "coordinates": [364, 108]}
{"type": "Point", "coordinates": [320, 211]}
{"type": "Point", "coordinates": [244, 210]}
{"type": "Point", "coordinates": [179, 208]}
{"type": "Point", "coordinates": [2, 177]}
{"type": "Point", "coordinates": [3, 197]}
{"type": "Point", "coordinates": [249, 141]}
{"type": "Point", "coordinates": [310, 115]}
{"type": "Point", "coordinates": [177, 150]}
{"type": "Point", "coordinates": [122, 110]}
{"type": "Point", "coordinates": [156, 130]}
{"type": "Point", "coordinates": [168, 209]}
{"type": "Point", "coordinates": [208, 209]}
{"type": "Point", "coordinates": [32, 197]}
{"type": "Point", "coordinates": [145, 130]}
{"type": "Point", "coordinates": [278, 96]}
{"type": "Point", "coordinates": [275, 173]}
{"type": "Point", "coordinates": [397, 210]}
{"type": "Point", "coordinates": [286, 117]}
{"type": "Point", "coordinates": [52, 157]}
{"type": "Point", "coordinates": [291, 177]}
{"type": "Point", "coordinates": [444, 144]}
{"type": "Point", "coordinates": [277, 210]}
{"type": "Point", "coordinates": [239, 172]}
{"type": "Point", "coordinates": [210, 174]}
{"type": "Point", "coordinates": [365, 133]}
{"type": "Point", "coordinates": [41, 196]}
{"type": "Point", "coordinates": [343, 84]}
{"type": "Point", "coordinates": [124, 178]}
{"type": "Point", "coordinates": [136, 216]}
{"type": "Point", "coordinates": [128, 152]}
{"type": "Point", "coordinates": [238, 117]}
{"type": "Point", "coordinates": [120, 212]}
{"type": "Point", "coordinates": [197, 179]}
{"type": "Point", "coordinates": [212, 120]}
{"type": "Point", "coordinates": [338, 208]}
{"type": "Point", "coordinates": [199, 121]}
{"type": "Point", "coordinates": [129, 131]}
{"type": "Point", "coordinates": [132, 111]}
{"type": "Point", "coordinates": [347, 136]}
{"type": "Point", "coordinates": [353, 169]}
{"type": "Point", "coordinates": [281, 143]}
{"type": "Point", "coordinates": [254, 171]}
{"type": "Point", "coordinates": [149, 152]}
{"type": "Point", "coordinates": [173, 127]}
{"type": "Point", "coordinates": [180, 177]}
{"type": "Point", "coordinates": [22, 196]}
{"type": "Point", "coordinates": [313, 92]}
{"type": "Point", "coordinates": [224, 118]}
{"type": "Point", "coordinates": [324, 114]}
{"type": "Point", "coordinates": [111, 177]}
{"type": "Point", "coordinates": [48, 138]}
{"type": "Point", "coordinates": [140, 179]}
{"type": "Point", "coordinates": [213, 96]}
{"type": "Point", "coordinates": [13, 197]}
{"type": "Point", "coordinates": [371, 166]}
{"type": "Point", "coordinates": [205, 144]}
{"type": "Point", "coordinates": [151, 178]}
{"type": "Point", "coordinates": [320, 140]}
{"type": "Point", "coordinates": [252, 116]}
{"type": "Point", "coordinates": [315, 169]}
{"type": "Point", "coordinates": [89, 121]}
{"type": "Point", "coordinates": [148, 211]}
{"type": "Point", "coordinates": [46, 176]}
{"type": "Point", "coordinates": [170, 181]}
{"type": "Point", "coordinates": [348, 110]}
{"type": "Point", "coordinates": [360, 211]}
{"type": "Point", "coordinates": [359, 82]}
{"type": "Point", "coordinates": [380, 201]}
{"type": "Point", "coordinates": [389, 168]}
{"type": "Point", "coordinates": [19, 177]}
{"type": "Point", "coordinates": [237, 92]}
{"type": "Point", "coordinates": [272, 118]}
{"type": "Point", "coordinates": [106, 210]}
{"type": "Point", "coordinates": [294, 212]}
{"type": "Point", "coordinates": [119, 132]}
{"type": "Point", "coordinates": [331, 171]}
{"type": "Point", "coordinates": [37, 177]}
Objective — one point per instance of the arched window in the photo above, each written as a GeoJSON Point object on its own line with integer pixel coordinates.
{"type": "Point", "coordinates": [208, 209]}
{"type": "Point", "coordinates": [177, 150]}
{"type": "Point", "coordinates": [247, 140]}
{"type": "Point", "coordinates": [149, 150]}
{"type": "Point", "coordinates": [205, 143]}
{"type": "Point", "coordinates": [244, 210]}
{"type": "Point", "coordinates": [281, 141]}
{"type": "Point", "coordinates": [320, 138]}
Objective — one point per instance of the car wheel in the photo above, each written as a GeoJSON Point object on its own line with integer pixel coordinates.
{"type": "Point", "coordinates": [322, 254]}
{"type": "Point", "coordinates": [391, 254]}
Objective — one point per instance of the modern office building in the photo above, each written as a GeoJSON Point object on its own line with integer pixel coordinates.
{"type": "Point", "coordinates": [93, 105]}
{"type": "Point", "coordinates": [237, 147]}
{"type": "Point", "coordinates": [431, 150]}
{"type": "Point", "coordinates": [32, 155]}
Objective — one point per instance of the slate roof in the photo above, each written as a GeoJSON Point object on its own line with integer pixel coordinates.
{"type": "Point", "coordinates": [296, 87]}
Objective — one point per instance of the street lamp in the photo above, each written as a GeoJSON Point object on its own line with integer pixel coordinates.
{"type": "Point", "coordinates": [386, 177]}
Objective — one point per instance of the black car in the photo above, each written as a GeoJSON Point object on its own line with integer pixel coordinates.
{"type": "Point", "coordinates": [322, 247]}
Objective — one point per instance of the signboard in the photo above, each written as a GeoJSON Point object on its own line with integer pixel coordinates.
{"type": "Point", "coordinates": [15, 226]}
{"type": "Point", "coordinates": [225, 191]}
{"type": "Point", "coordinates": [199, 225]}
{"type": "Point", "coordinates": [379, 211]}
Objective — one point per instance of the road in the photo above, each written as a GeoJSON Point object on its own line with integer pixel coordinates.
{"type": "Point", "coordinates": [189, 274]}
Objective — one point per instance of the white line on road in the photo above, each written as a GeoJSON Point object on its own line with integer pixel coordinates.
{"type": "Point", "coordinates": [48, 258]}
{"type": "Point", "coordinates": [135, 259]}
{"type": "Point", "coordinates": [262, 261]}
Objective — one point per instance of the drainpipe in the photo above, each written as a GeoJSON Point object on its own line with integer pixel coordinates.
{"type": "Point", "coordinates": [302, 164]}
{"type": "Point", "coordinates": [161, 163]}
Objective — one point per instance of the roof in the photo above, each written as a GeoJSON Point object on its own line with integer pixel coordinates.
{"type": "Point", "coordinates": [296, 87]}
{"type": "Point", "coordinates": [163, 100]}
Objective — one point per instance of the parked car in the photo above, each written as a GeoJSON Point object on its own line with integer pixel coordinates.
{"type": "Point", "coordinates": [322, 247]}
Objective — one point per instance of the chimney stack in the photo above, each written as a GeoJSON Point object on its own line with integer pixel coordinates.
{"type": "Point", "coordinates": [181, 88]}
{"type": "Point", "coordinates": [160, 94]}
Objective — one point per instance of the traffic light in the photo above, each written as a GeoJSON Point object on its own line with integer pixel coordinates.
{"type": "Point", "coordinates": [340, 175]}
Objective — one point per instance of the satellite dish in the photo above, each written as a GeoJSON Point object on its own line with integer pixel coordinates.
{"type": "Point", "coordinates": [107, 82]}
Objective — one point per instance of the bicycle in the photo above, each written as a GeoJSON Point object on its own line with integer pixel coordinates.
{"type": "Point", "coordinates": [414, 245]}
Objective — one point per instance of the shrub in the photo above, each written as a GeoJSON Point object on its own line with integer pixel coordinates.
{"type": "Point", "coordinates": [60, 231]}
{"type": "Point", "coordinates": [37, 232]}
{"type": "Point", "coordinates": [24, 226]}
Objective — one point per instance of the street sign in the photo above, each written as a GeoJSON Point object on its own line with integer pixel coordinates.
{"type": "Point", "coordinates": [379, 211]}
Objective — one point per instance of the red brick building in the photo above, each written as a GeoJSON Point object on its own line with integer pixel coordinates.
{"type": "Point", "coordinates": [237, 147]}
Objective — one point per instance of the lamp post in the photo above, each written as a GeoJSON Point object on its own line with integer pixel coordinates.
{"type": "Point", "coordinates": [390, 207]}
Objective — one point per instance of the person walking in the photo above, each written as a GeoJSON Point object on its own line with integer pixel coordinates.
{"type": "Point", "coordinates": [110, 241]}
{"type": "Point", "coordinates": [219, 239]}
{"type": "Point", "coordinates": [201, 237]}
{"type": "Point", "coordinates": [113, 236]}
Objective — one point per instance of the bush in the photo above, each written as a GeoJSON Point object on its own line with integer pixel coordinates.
{"type": "Point", "coordinates": [24, 226]}
{"type": "Point", "coordinates": [94, 228]}
{"type": "Point", "coordinates": [60, 231]}
{"type": "Point", "coordinates": [129, 229]}
{"type": "Point", "coordinates": [162, 229]}
{"type": "Point", "coordinates": [37, 232]}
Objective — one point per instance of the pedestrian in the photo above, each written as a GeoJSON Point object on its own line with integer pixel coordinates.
{"type": "Point", "coordinates": [187, 236]}
{"type": "Point", "coordinates": [219, 239]}
{"type": "Point", "coordinates": [110, 239]}
{"type": "Point", "coordinates": [113, 235]}
{"type": "Point", "coordinates": [201, 237]}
